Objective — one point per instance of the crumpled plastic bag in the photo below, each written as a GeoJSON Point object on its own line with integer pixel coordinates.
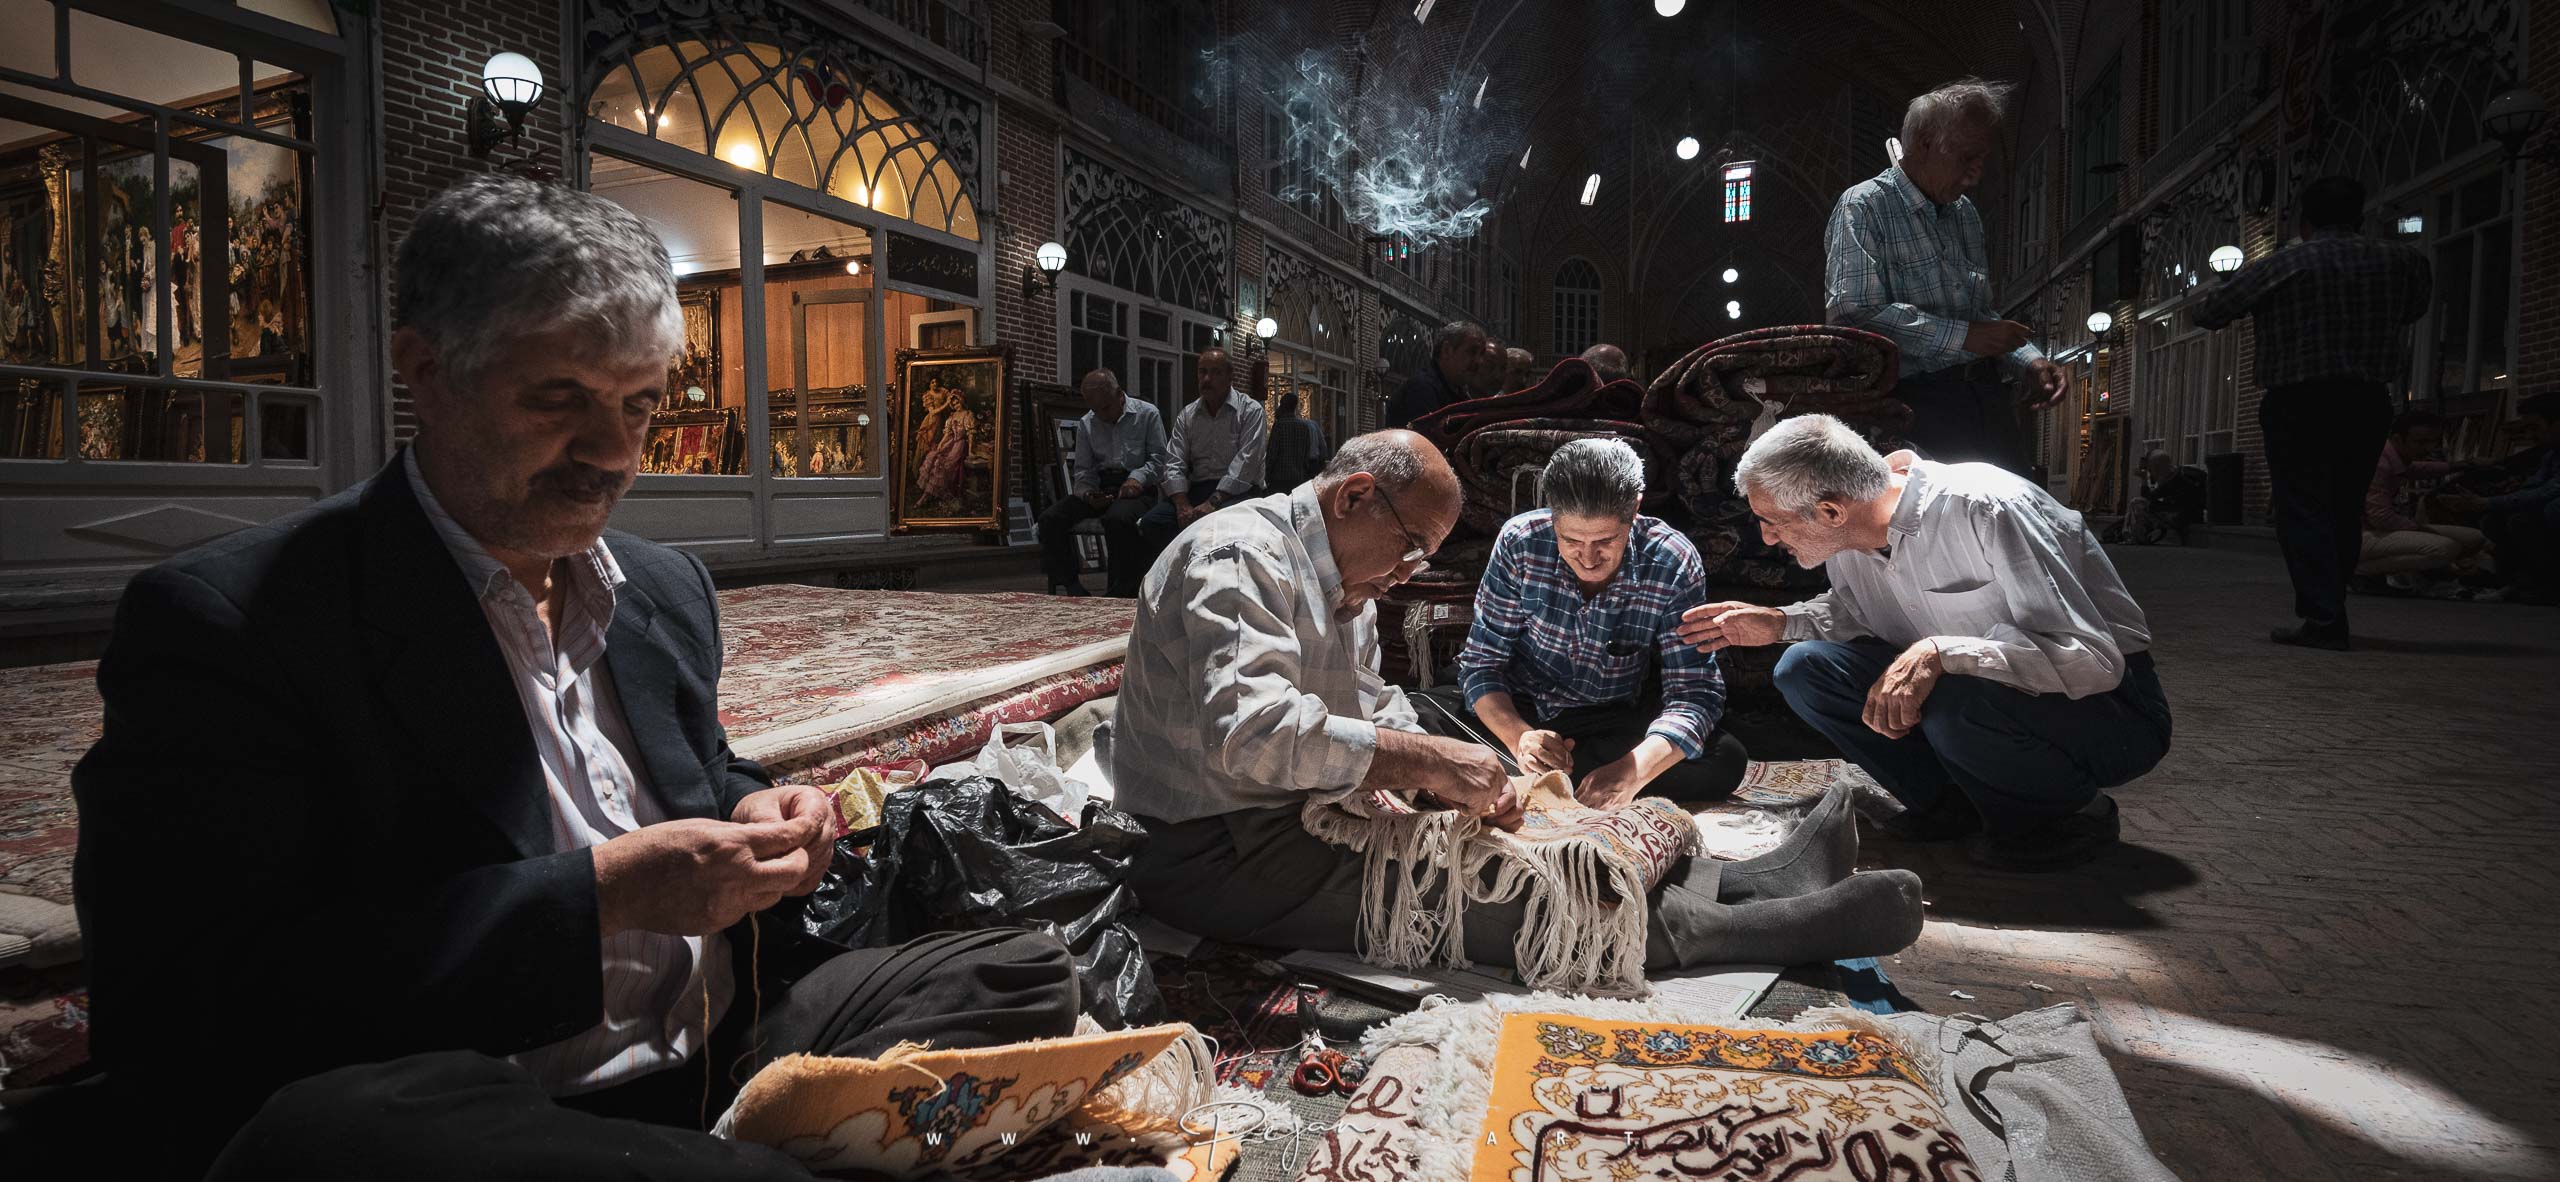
{"type": "Point", "coordinates": [968, 854]}
{"type": "Point", "coordinates": [1030, 769]}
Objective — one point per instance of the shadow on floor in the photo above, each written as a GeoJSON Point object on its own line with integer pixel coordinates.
{"type": "Point", "coordinates": [2446, 648]}
{"type": "Point", "coordinates": [2100, 895]}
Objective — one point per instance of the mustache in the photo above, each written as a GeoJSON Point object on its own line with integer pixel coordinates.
{"type": "Point", "coordinates": [584, 482]}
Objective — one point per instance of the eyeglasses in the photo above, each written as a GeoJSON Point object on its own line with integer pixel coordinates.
{"type": "Point", "coordinates": [1419, 557]}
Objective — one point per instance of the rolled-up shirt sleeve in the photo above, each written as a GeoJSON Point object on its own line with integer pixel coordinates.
{"type": "Point", "coordinates": [1152, 469]}
{"type": "Point", "coordinates": [1253, 444]}
{"type": "Point", "coordinates": [1832, 615]}
{"type": "Point", "coordinates": [2059, 643]}
{"type": "Point", "coordinates": [1387, 704]}
{"type": "Point", "coordinates": [1692, 682]}
{"type": "Point", "coordinates": [1259, 727]}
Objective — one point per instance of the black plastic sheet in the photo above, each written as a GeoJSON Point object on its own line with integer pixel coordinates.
{"type": "Point", "coordinates": [961, 855]}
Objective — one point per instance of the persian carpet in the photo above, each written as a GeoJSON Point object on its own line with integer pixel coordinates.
{"type": "Point", "coordinates": [813, 670]}
{"type": "Point", "coordinates": [1528, 1089]}
{"type": "Point", "coordinates": [1022, 1110]}
{"type": "Point", "coordinates": [49, 715]}
{"type": "Point", "coordinates": [1583, 873]}
{"type": "Point", "coordinates": [1572, 390]}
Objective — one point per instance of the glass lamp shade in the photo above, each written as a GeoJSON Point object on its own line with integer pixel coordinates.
{"type": "Point", "coordinates": [2226, 259]}
{"type": "Point", "coordinates": [512, 81]}
{"type": "Point", "coordinates": [1687, 148]}
{"type": "Point", "coordinates": [853, 266]}
{"type": "Point", "coordinates": [2100, 322]}
{"type": "Point", "coordinates": [1732, 276]}
{"type": "Point", "coordinates": [1733, 309]}
{"type": "Point", "coordinates": [1266, 328]}
{"type": "Point", "coordinates": [1052, 257]}
{"type": "Point", "coordinates": [1669, 7]}
{"type": "Point", "coordinates": [2515, 116]}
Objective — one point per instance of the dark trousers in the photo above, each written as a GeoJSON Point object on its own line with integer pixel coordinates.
{"type": "Point", "coordinates": [2322, 441]}
{"type": "Point", "coordinates": [2021, 758]}
{"type": "Point", "coordinates": [1126, 553]}
{"type": "Point", "coordinates": [1964, 414]}
{"type": "Point", "coordinates": [461, 1114]}
{"type": "Point", "coordinates": [1159, 526]}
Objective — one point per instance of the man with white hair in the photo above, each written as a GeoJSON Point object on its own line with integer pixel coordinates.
{"type": "Point", "coordinates": [1574, 659]}
{"type": "Point", "coordinates": [456, 751]}
{"type": "Point", "coordinates": [1976, 652]}
{"type": "Point", "coordinates": [1904, 258]}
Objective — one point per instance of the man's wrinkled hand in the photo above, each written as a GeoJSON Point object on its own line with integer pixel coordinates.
{"type": "Point", "coordinates": [1131, 490]}
{"type": "Point", "coordinates": [2050, 382]}
{"type": "Point", "coordinates": [697, 876]}
{"type": "Point", "coordinates": [1544, 751]}
{"type": "Point", "coordinates": [1894, 703]}
{"type": "Point", "coordinates": [1713, 626]}
{"type": "Point", "coordinates": [791, 802]}
{"type": "Point", "coordinates": [1472, 779]}
{"type": "Point", "coordinates": [1611, 785]}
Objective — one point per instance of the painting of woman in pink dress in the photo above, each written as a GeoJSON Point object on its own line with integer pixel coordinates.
{"type": "Point", "coordinates": [942, 473]}
{"type": "Point", "coordinates": [950, 439]}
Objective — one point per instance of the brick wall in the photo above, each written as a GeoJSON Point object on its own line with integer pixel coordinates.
{"type": "Point", "coordinates": [2539, 335]}
{"type": "Point", "coordinates": [432, 51]}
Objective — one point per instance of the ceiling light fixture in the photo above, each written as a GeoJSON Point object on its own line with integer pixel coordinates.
{"type": "Point", "coordinates": [1669, 7]}
{"type": "Point", "coordinates": [1687, 149]}
{"type": "Point", "coordinates": [1524, 155]}
{"type": "Point", "coordinates": [1733, 309]}
{"type": "Point", "coordinates": [1591, 189]}
{"type": "Point", "coordinates": [1422, 11]}
{"type": "Point", "coordinates": [1488, 81]}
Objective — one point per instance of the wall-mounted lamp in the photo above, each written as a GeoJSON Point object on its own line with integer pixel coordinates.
{"type": "Point", "coordinates": [2100, 321]}
{"type": "Point", "coordinates": [1052, 259]}
{"type": "Point", "coordinates": [1687, 148]}
{"type": "Point", "coordinates": [1266, 328]}
{"type": "Point", "coordinates": [2226, 259]}
{"type": "Point", "coordinates": [2514, 118]}
{"type": "Point", "coordinates": [509, 86]}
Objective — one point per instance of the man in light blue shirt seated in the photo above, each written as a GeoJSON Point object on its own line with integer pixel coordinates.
{"type": "Point", "coordinates": [1976, 653]}
{"type": "Point", "coordinates": [1904, 258]}
{"type": "Point", "coordinates": [1119, 458]}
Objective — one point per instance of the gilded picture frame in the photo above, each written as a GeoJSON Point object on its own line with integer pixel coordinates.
{"type": "Point", "coordinates": [951, 409]}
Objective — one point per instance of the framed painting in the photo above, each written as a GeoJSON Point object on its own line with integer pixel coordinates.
{"type": "Point", "coordinates": [693, 378]}
{"type": "Point", "coordinates": [950, 413]}
{"type": "Point", "coordinates": [687, 443]}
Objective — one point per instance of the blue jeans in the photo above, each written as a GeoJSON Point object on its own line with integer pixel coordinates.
{"type": "Point", "coordinates": [2021, 758]}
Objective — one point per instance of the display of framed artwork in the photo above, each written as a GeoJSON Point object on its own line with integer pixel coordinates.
{"type": "Point", "coordinates": [687, 442]}
{"type": "Point", "coordinates": [950, 412]}
{"type": "Point", "coordinates": [839, 431]}
{"type": "Point", "coordinates": [693, 378]}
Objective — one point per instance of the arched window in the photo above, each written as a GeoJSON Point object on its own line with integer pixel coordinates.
{"type": "Point", "coordinates": [1576, 306]}
{"type": "Point", "coordinates": [804, 117]}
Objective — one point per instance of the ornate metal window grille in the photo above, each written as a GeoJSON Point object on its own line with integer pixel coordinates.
{"type": "Point", "coordinates": [1132, 237]}
{"type": "Point", "coordinates": [2405, 98]}
{"type": "Point", "coordinates": [1577, 306]}
{"type": "Point", "coordinates": [755, 85]}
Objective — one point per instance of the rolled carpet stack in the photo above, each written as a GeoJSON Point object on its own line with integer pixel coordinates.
{"type": "Point", "coordinates": [1572, 390]}
{"type": "Point", "coordinates": [1498, 466]}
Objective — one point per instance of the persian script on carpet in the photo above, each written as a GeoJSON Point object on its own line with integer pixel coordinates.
{"type": "Point", "coordinates": [1596, 1100]}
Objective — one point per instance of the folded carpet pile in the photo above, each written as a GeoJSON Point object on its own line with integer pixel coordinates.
{"type": "Point", "coordinates": [1572, 390]}
{"type": "Point", "coordinates": [1498, 466]}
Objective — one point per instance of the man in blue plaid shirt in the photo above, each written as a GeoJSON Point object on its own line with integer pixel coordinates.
{"type": "Point", "coordinates": [1904, 258]}
{"type": "Point", "coordinates": [1574, 660]}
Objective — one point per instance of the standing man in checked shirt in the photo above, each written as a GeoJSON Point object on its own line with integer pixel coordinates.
{"type": "Point", "coordinates": [1574, 660]}
{"type": "Point", "coordinates": [2332, 316]}
{"type": "Point", "coordinates": [1904, 258]}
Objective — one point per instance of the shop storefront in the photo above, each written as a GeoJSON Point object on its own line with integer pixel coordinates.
{"type": "Point", "coordinates": [1145, 287]}
{"type": "Point", "coordinates": [821, 205]}
{"type": "Point", "coordinates": [1311, 357]}
{"type": "Point", "coordinates": [186, 320]}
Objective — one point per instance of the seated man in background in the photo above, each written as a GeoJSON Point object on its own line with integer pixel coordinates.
{"type": "Point", "coordinates": [1609, 361]}
{"type": "Point", "coordinates": [1119, 457]}
{"type": "Point", "coordinates": [2397, 545]}
{"type": "Point", "coordinates": [1215, 458]}
{"type": "Point", "coordinates": [2523, 522]}
{"type": "Point", "coordinates": [471, 829]}
{"type": "Point", "coordinates": [1976, 653]}
{"type": "Point", "coordinates": [2173, 498]}
{"type": "Point", "coordinates": [1456, 352]}
{"type": "Point", "coordinates": [1253, 685]}
{"type": "Point", "coordinates": [1519, 369]}
{"type": "Point", "coordinates": [1574, 660]}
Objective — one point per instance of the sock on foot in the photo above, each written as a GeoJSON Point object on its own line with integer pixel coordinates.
{"type": "Point", "coordinates": [1872, 914]}
{"type": "Point", "coordinates": [1823, 850]}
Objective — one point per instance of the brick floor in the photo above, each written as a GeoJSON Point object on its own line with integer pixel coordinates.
{"type": "Point", "coordinates": [2328, 948]}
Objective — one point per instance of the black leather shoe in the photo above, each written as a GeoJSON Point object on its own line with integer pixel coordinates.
{"type": "Point", "coordinates": [2306, 634]}
{"type": "Point", "coordinates": [2059, 844]}
{"type": "Point", "coordinates": [1951, 818]}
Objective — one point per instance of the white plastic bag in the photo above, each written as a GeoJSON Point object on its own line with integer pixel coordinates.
{"type": "Point", "coordinates": [1028, 770]}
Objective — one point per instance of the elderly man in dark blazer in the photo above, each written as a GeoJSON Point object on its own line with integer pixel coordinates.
{"type": "Point", "coordinates": [421, 797]}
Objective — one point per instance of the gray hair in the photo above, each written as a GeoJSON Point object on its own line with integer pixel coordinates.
{"type": "Point", "coordinates": [497, 257]}
{"type": "Point", "coordinates": [1395, 465]}
{"type": "Point", "coordinates": [1594, 478]}
{"type": "Point", "coordinates": [1106, 373]}
{"type": "Point", "coordinates": [1457, 332]}
{"type": "Point", "coordinates": [1933, 117]}
{"type": "Point", "coordinates": [1809, 459]}
{"type": "Point", "coordinates": [1609, 360]}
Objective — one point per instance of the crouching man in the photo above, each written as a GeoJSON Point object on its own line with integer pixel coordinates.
{"type": "Point", "coordinates": [1976, 653]}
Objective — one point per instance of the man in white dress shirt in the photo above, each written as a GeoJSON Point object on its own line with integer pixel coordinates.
{"type": "Point", "coordinates": [1215, 459]}
{"type": "Point", "coordinates": [1976, 653]}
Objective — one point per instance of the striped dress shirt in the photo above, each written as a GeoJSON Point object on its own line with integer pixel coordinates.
{"type": "Point", "coordinates": [2010, 584]}
{"type": "Point", "coordinates": [1539, 639]}
{"type": "Point", "coordinates": [2336, 306]}
{"type": "Point", "coordinates": [653, 983]}
{"type": "Point", "coordinates": [1904, 267]}
{"type": "Point", "coordinates": [1242, 690]}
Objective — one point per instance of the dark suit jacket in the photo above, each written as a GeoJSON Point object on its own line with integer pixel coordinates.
{"type": "Point", "coordinates": [1424, 392]}
{"type": "Point", "coordinates": [315, 832]}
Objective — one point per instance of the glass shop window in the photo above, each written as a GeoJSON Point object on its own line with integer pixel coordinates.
{"type": "Point", "coordinates": [700, 427]}
{"type": "Point", "coordinates": [164, 239]}
{"type": "Point", "coordinates": [819, 349]}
